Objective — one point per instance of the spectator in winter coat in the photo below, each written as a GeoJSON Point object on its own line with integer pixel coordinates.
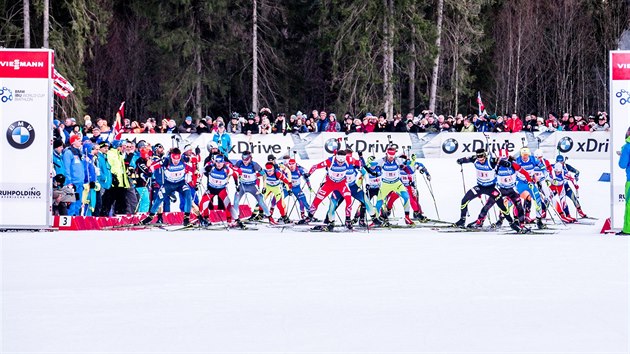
{"type": "Point", "coordinates": [357, 126]}
{"type": "Point", "coordinates": [171, 127]}
{"type": "Point", "coordinates": [398, 125]}
{"type": "Point", "coordinates": [468, 127]}
{"type": "Point", "coordinates": [250, 127]}
{"type": "Point", "coordinates": [571, 125]}
{"type": "Point", "coordinates": [299, 127]}
{"type": "Point", "coordinates": [332, 125]}
{"type": "Point", "coordinates": [57, 158]}
{"type": "Point", "coordinates": [234, 126]}
{"type": "Point", "coordinates": [348, 125]}
{"type": "Point", "coordinates": [369, 123]}
{"type": "Point", "coordinates": [530, 123]}
{"type": "Point", "coordinates": [381, 126]}
{"type": "Point", "coordinates": [322, 122]}
{"type": "Point", "coordinates": [311, 125]}
{"type": "Point", "coordinates": [499, 126]}
{"type": "Point", "coordinates": [481, 124]}
{"type": "Point", "coordinates": [412, 127]}
{"type": "Point", "coordinates": [551, 117]}
{"type": "Point", "coordinates": [601, 126]}
{"type": "Point", "coordinates": [223, 140]}
{"type": "Point", "coordinates": [443, 125]}
{"type": "Point", "coordinates": [265, 126]}
{"type": "Point", "coordinates": [74, 171]}
{"type": "Point", "coordinates": [280, 126]}
{"type": "Point", "coordinates": [187, 126]}
{"type": "Point", "coordinates": [202, 126]}
{"type": "Point", "coordinates": [513, 124]}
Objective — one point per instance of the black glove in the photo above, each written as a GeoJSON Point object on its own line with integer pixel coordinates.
{"type": "Point", "coordinates": [197, 151]}
{"type": "Point", "coordinates": [263, 190]}
{"type": "Point", "coordinates": [92, 185]}
{"type": "Point", "coordinates": [360, 153]}
{"type": "Point", "coordinates": [307, 175]}
{"type": "Point", "coordinates": [289, 192]}
{"type": "Point", "coordinates": [460, 160]}
{"type": "Point", "coordinates": [115, 181]}
{"type": "Point", "coordinates": [412, 184]}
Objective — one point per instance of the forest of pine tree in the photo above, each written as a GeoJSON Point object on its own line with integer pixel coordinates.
{"type": "Point", "coordinates": [172, 58]}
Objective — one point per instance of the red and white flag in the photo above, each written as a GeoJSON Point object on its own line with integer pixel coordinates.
{"type": "Point", "coordinates": [61, 86]}
{"type": "Point", "coordinates": [480, 103]}
{"type": "Point", "coordinates": [118, 127]}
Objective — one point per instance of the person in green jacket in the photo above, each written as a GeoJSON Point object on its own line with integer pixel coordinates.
{"type": "Point", "coordinates": [120, 181]}
{"type": "Point", "coordinates": [624, 162]}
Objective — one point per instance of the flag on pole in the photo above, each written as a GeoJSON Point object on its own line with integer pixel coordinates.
{"type": "Point", "coordinates": [120, 115]}
{"type": "Point", "coordinates": [482, 108]}
{"type": "Point", "coordinates": [61, 86]}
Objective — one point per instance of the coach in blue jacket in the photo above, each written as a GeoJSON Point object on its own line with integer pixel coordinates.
{"type": "Point", "coordinates": [624, 162]}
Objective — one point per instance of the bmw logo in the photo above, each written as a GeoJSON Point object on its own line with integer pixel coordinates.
{"type": "Point", "coordinates": [331, 145]}
{"type": "Point", "coordinates": [450, 145]}
{"type": "Point", "coordinates": [565, 144]}
{"type": "Point", "coordinates": [20, 134]}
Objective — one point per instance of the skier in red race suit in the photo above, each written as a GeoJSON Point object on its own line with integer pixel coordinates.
{"type": "Point", "coordinates": [336, 167]}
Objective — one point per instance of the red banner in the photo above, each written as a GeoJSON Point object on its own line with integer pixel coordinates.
{"type": "Point", "coordinates": [19, 64]}
{"type": "Point", "coordinates": [620, 66]}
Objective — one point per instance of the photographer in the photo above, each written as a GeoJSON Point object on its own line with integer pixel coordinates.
{"type": "Point", "coordinates": [62, 195]}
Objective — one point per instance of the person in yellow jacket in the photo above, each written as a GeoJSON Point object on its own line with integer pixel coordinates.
{"type": "Point", "coordinates": [120, 181]}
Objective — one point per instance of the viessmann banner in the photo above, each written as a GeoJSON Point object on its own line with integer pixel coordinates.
{"type": "Point", "coordinates": [620, 123]}
{"type": "Point", "coordinates": [25, 122]}
{"type": "Point", "coordinates": [318, 146]}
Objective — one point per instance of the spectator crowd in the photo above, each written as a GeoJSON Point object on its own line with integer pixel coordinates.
{"type": "Point", "coordinates": [265, 122]}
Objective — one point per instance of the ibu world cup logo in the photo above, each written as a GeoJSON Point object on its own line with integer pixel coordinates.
{"type": "Point", "coordinates": [623, 96]}
{"type": "Point", "coordinates": [6, 95]}
{"type": "Point", "coordinates": [565, 144]}
{"type": "Point", "coordinates": [20, 134]}
{"type": "Point", "coordinates": [450, 145]}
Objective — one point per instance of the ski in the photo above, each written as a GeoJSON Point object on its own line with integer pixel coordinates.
{"type": "Point", "coordinates": [337, 229]}
{"type": "Point", "coordinates": [468, 229]}
{"type": "Point", "coordinates": [531, 232]}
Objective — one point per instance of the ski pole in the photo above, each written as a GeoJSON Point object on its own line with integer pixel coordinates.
{"type": "Point", "coordinates": [432, 196]}
{"type": "Point", "coordinates": [461, 170]}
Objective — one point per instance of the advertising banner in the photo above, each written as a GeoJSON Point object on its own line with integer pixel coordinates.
{"type": "Point", "coordinates": [317, 146]}
{"type": "Point", "coordinates": [574, 145]}
{"type": "Point", "coordinates": [456, 145]}
{"type": "Point", "coordinates": [25, 150]}
{"type": "Point", "coordinates": [619, 123]}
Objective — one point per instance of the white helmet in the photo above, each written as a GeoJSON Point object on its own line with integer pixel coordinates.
{"type": "Point", "coordinates": [538, 153]}
{"type": "Point", "coordinates": [212, 145]}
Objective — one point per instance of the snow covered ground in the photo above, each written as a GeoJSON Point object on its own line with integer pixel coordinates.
{"type": "Point", "coordinates": [412, 291]}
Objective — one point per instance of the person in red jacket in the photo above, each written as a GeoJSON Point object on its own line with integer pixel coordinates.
{"type": "Point", "coordinates": [513, 124]}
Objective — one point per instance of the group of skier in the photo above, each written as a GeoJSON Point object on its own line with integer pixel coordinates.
{"type": "Point", "coordinates": [514, 184]}
{"type": "Point", "coordinates": [518, 182]}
